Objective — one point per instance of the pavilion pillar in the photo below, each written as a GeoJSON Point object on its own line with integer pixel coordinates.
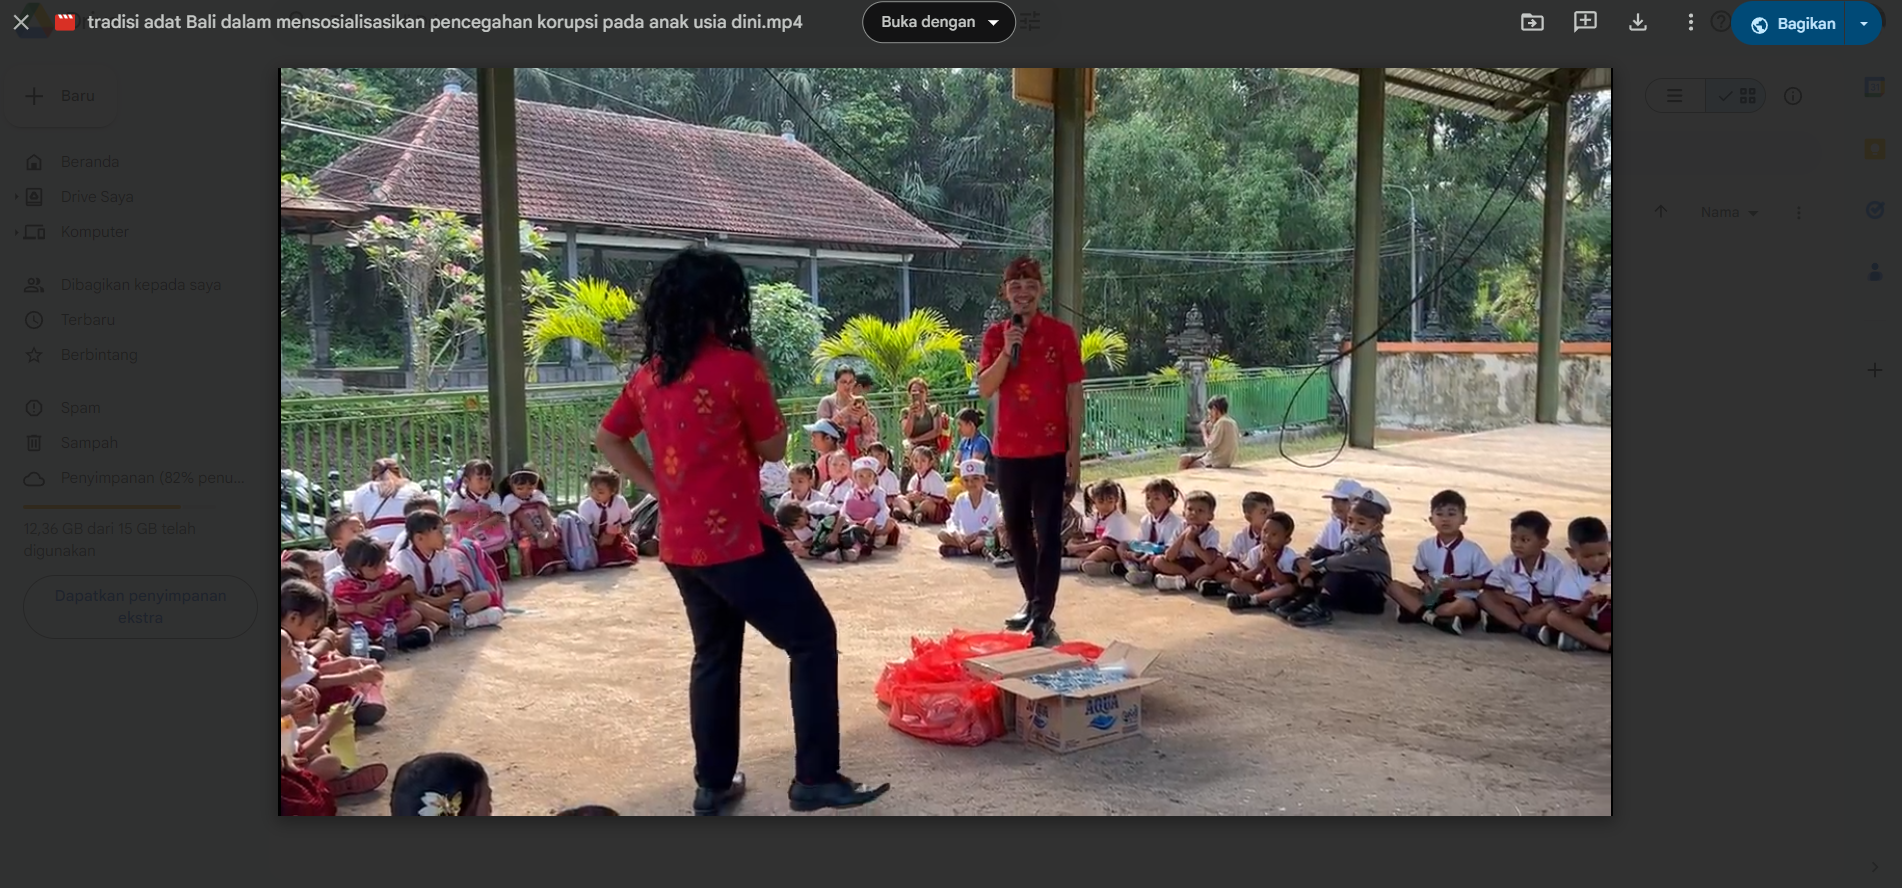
{"type": "Point", "coordinates": [1066, 211]}
{"type": "Point", "coordinates": [1552, 261]}
{"type": "Point", "coordinates": [904, 289]}
{"type": "Point", "coordinates": [1369, 160]}
{"type": "Point", "coordinates": [571, 259]}
{"type": "Point", "coordinates": [502, 268]}
{"type": "Point", "coordinates": [811, 269]}
{"type": "Point", "coordinates": [319, 306]}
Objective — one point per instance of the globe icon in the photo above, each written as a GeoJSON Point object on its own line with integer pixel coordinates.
{"type": "Point", "coordinates": [1759, 25]}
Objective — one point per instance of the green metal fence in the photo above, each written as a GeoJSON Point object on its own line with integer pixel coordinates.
{"type": "Point", "coordinates": [335, 440]}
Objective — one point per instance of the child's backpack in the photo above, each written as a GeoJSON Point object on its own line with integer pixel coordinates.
{"type": "Point", "coordinates": [537, 522]}
{"type": "Point", "coordinates": [478, 570]}
{"type": "Point", "coordinates": [577, 541]}
{"type": "Point", "coordinates": [646, 523]}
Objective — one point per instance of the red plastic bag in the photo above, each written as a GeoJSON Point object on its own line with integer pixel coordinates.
{"type": "Point", "coordinates": [1089, 652]}
{"type": "Point", "coordinates": [956, 713]}
{"type": "Point", "coordinates": [965, 645]}
{"type": "Point", "coordinates": [928, 669]}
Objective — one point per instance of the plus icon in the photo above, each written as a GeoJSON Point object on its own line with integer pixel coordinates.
{"type": "Point", "coordinates": [1873, 370]}
{"type": "Point", "coordinates": [35, 96]}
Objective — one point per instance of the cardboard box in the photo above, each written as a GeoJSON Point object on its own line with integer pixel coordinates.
{"type": "Point", "coordinates": [1018, 664]}
{"type": "Point", "coordinates": [1064, 722]}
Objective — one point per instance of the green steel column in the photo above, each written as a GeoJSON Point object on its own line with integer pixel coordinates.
{"type": "Point", "coordinates": [502, 268]}
{"type": "Point", "coordinates": [1066, 192]}
{"type": "Point", "coordinates": [1369, 158]}
{"type": "Point", "coordinates": [1552, 261]}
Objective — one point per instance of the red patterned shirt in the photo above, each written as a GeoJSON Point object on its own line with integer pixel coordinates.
{"type": "Point", "coordinates": [701, 431]}
{"type": "Point", "coordinates": [1033, 417]}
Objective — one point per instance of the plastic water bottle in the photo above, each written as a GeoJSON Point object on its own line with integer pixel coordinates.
{"type": "Point", "coordinates": [359, 639]}
{"type": "Point", "coordinates": [389, 635]}
{"type": "Point", "coordinates": [458, 623]}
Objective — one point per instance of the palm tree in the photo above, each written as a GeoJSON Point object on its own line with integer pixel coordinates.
{"type": "Point", "coordinates": [892, 352]}
{"type": "Point", "coordinates": [1106, 344]}
{"type": "Point", "coordinates": [578, 310]}
{"type": "Point", "coordinates": [1222, 368]}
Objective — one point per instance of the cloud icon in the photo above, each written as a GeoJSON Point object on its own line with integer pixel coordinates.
{"type": "Point", "coordinates": [33, 479]}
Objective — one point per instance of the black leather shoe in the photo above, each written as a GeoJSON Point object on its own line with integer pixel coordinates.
{"type": "Point", "coordinates": [714, 802]}
{"type": "Point", "coordinates": [840, 792]}
{"type": "Point", "coordinates": [1043, 633]}
{"type": "Point", "coordinates": [1020, 620]}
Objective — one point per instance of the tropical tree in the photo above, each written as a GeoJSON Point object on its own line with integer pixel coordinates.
{"type": "Point", "coordinates": [1222, 368]}
{"type": "Point", "coordinates": [787, 326]}
{"type": "Point", "coordinates": [893, 352]}
{"type": "Point", "coordinates": [578, 310]}
{"type": "Point", "coordinates": [1105, 344]}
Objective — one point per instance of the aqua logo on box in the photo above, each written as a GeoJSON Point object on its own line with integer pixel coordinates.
{"type": "Point", "coordinates": [1103, 712]}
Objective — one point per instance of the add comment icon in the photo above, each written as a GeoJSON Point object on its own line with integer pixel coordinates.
{"type": "Point", "coordinates": [1874, 209]}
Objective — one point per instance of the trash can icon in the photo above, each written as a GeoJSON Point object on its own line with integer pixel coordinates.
{"type": "Point", "coordinates": [32, 442]}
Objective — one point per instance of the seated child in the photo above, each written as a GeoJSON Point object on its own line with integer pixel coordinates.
{"type": "Point", "coordinates": [301, 608]}
{"type": "Point", "coordinates": [608, 516]}
{"type": "Point", "coordinates": [894, 493]}
{"type": "Point", "coordinates": [802, 486]}
{"type": "Point", "coordinates": [1268, 574]}
{"type": "Point", "coordinates": [309, 566]}
{"type": "Point", "coordinates": [826, 437]}
{"type": "Point", "coordinates": [1517, 592]}
{"type": "Point", "coordinates": [1159, 527]}
{"type": "Point", "coordinates": [340, 529]}
{"type": "Point", "coordinates": [340, 677]}
{"type": "Point", "coordinates": [865, 506]}
{"type": "Point", "coordinates": [1340, 502]}
{"type": "Point", "coordinates": [589, 811]}
{"type": "Point", "coordinates": [1356, 578]}
{"type": "Point", "coordinates": [441, 784]}
{"type": "Point", "coordinates": [974, 517]}
{"type": "Point", "coordinates": [432, 572]}
{"type": "Point", "coordinates": [1070, 530]}
{"type": "Point", "coordinates": [533, 520]}
{"type": "Point", "coordinates": [1452, 570]}
{"type": "Point", "coordinates": [1196, 552]}
{"type": "Point", "coordinates": [369, 592]}
{"type": "Point", "coordinates": [1256, 506]}
{"type": "Point", "coordinates": [839, 470]}
{"type": "Point", "coordinates": [926, 499]}
{"type": "Point", "coordinates": [817, 536]}
{"type": "Point", "coordinates": [424, 503]}
{"type": "Point", "coordinates": [1105, 529]}
{"type": "Point", "coordinates": [475, 513]}
{"type": "Point", "coordinates": [1581, 613]}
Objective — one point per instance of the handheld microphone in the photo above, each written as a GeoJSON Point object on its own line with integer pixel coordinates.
{"type": "Point", "coordinates": [1017, 321]}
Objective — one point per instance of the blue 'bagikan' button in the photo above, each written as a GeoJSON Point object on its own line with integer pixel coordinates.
{"type": "Point", "coordinates": [1796, 23]}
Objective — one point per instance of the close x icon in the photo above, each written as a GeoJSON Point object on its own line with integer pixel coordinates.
{"type": "Point", "coordinates": [34, 21]}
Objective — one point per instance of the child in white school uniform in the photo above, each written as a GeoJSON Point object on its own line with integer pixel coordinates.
{"type": "Point", "coordinates": [1340, 502]}
{"type": "Point", "coordinates": [340, 529]}
{"type": "Point", "coordinates": [865, 505]}
{"type": "Point", "coordinates": [974, 517]}
{"type": "Point", "coordinates": [839, 470]}
{"type": "Point", "coordinates": [810, 535]}
{"type": "Point", "coordinates": [1580, 617]}
{"type": "Point", "coordinates": [1196, 552]}
{"type": "Point", "coordinates": [532, 519]}
{"type": "Point", "coordinates": [1159, 527]}
{"type": "Point", "coordinates": [802, 487]}
{"type": "Point", "coordinates": [1256, 507]}
{"type": "Point", "coordinates": [475, 513]}
{"type": "Point", "coordinates": [1271, 571]}
{"type": "Point", "coordinates": [608, 517]}
{"type": "Point", "coordinates": [1106, 527]}
{"type": "Point", "coordinates": [1517, 593]}
{"type": "Point", "coordinates": [1452, 570]}
{"type": "Point", "coordinates": [888, 482]}
{"type": "Point", "coordinates": [926, 499]}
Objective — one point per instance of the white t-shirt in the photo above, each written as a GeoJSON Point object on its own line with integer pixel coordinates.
{"type": "Point", "coordinates": [1115, 528]}
{"type": "Point", "coordinates": [1330, 538]}
{"type": "Point", "coordinates": [774, 478]}
{"type": "Point", "coordinates": [331, 577]}
{"type": "Point", "coordinates": [437, 570]}
{"type": "Point", "coordinates": [1575, 583]}
{"type": "Point", "coordinates": [880, 518]}
{"type": "Point", "coordinates": [375, 507]}
{"type": "Point", "coordinates": [812, 496]}
{"type": "Point", "coordinates": [480, 506]}
{"type": "Point", "coordinates": [599, 516]}
{"type": "Point", "coordinates": [1469, 561]}
{"type": "Point", "coordinates": [836, 491]}
{"type": "Point", "coordinates": [1530, 582]}
{"type": "Point", "coordinates": [1244, 541]}
{"type": "Point", "coordinates": [1209, 538]}
{"type": "Point", "coordinates": [888, 482]}
{"type": "Point", "coordinates": [971, 519]}
{"type": "Point", "coordinates": [1285, 562]}
{"type": "Point", "coordinates": [333, 561]}
{"type": "Point", "coordinates": [1162, 530]}
{"type": "Point", "coordinates": [512, 503]}
{"type": "Point", "coordinates": [930, 484]}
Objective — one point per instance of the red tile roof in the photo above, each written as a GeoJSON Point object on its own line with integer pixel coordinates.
{"type": "Point", "coordinates": [597, 168]}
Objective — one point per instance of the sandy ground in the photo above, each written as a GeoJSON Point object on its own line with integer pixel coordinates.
{"type": "Point", "coordinates": [582, 698]}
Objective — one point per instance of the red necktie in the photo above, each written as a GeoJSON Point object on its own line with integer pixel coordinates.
{"type": "Point", "coordinates": [1447, 567]}
{"type": "Point", "coordinates": [1532, 576]}
{"type": "Point", "coordinates": [1155, 528]}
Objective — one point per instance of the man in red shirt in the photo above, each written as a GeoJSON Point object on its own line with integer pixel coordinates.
{"type": "Point", "coordinates": [702, 397]}
{"type": "Point", "coordinates": [1033, 364]}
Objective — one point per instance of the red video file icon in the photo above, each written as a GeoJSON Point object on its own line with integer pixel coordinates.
{"type": "Point", "coordinates": [66, 22]}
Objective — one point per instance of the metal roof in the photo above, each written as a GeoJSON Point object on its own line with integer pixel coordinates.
{"type": "Point", "coordinates": [1508, 94]}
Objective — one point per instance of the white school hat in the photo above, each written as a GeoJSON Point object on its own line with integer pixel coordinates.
{"type": "Point", "coordinates": [1370, 495]}
{"type": "Point", "coordinates": [1345, 489]}
{"type": "Point", "coordinates": [971, 468]}
{"type": "Point", "coordinates": [867, 464]}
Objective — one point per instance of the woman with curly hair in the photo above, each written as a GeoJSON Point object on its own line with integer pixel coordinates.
{"type": "Point", "coordinates": [702, 395]}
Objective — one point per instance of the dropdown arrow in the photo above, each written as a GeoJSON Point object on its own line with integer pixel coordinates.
{"type": "Point", "coordinates": [993, 22]}
{"type": "Point", "coordinates": [1753, 212]}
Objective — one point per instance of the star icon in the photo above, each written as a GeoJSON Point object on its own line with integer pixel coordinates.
{"type": "Point", "coordinates": [32, 355]}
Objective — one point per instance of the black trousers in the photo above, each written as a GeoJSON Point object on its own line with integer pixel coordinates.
{"type": "Point", "coordinates": [1031, 492]}
{"type": "Point", "coordinates": [771, 592]}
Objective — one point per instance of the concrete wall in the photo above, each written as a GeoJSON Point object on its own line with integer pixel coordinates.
{"type": "Point", "coordinates": [1473, 386]}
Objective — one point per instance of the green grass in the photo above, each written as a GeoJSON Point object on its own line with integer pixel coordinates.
{"type": "Point", "coordinates": [1163, 463]}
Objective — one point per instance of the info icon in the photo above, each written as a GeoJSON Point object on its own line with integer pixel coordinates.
{"type": "Point", "coordinates": [1874, 209]}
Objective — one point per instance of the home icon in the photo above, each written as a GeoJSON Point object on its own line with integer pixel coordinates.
{"type": "Point", "coordinates": [33, 479]}
{"type": "Point", "coordinates": [32, 162]}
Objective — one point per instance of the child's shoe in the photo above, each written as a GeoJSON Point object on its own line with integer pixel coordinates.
{"type": "Point", "coordinates": [1310, 615]}
{"type": "Point", "coordinates": [1118, 568]}
{"type": "Point", "coordinates": [1171, 583]}
{"type": "Point", "coordinates": [378, 652]}
{"type": "Point", "coordinates": [1539, 634]}
{"type": "Point", "coordinates": [952, 552]}
{"type": "Point", "coordinates": [1569, 644]}
{"type": "Point", "coordinates": [488, 616]}
{"type": "Point", "coordinates": [1139, 577]}
{"type": "Point", "coordinates": [1212, 589]}
{"type": "Point", "coordinates": [1098, 568]}
{"type": "Point", "coordinates": [1238, 601]}
{"type": "Point", "coordinates": [1448, 625]}
{"type": "Point", "coordinates": [416, 639]}
{"type": "Point", "coordinates": [1070, 564]}
{"type": "Point", "coordinates": [851, 555]}
{"type": "Point", "coordinates": [1002, 559]}
{"type": "Point", "coordinates": [1284, 607]}
{"type": "Point", "coordinates": [1407, 616]}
